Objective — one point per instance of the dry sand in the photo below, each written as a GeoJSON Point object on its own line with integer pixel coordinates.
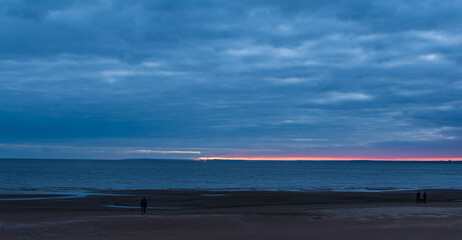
{"type": "Point", "coordinates": [235, 215]}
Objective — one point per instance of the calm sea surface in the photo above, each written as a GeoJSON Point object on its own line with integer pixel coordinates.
{"type": "Point", "coordinates": [66, 176]}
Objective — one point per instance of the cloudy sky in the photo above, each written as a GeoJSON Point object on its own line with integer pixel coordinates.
{"type": "Point", "coordinates": [188, 79]}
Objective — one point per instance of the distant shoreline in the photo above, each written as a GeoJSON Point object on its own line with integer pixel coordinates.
{"type": "Point", "coordinates": [227, 160]}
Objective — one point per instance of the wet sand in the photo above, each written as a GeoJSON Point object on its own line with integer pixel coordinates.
{"type": "Point", "coordinates": [187, 214]}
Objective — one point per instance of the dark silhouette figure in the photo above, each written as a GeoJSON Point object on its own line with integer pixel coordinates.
{"type": "Point", "coordinates": [424, 197]}
{"type": "Point", "coordinates": [417, 197]}
{"type": "Point", "coordinates": [144, 205]}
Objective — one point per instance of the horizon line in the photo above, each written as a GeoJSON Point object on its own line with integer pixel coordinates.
{"type": "Point", "coordinates": [323, 159]}
{"type": "Point", "coordinates": [288, 159]}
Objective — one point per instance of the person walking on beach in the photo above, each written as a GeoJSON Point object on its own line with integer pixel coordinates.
{"type": "Point", "coordinates": [425, 197]}
{"type": "Point", "coordinates": [144, 205]}
{"type": "Point", "coordinates": [417, 197]}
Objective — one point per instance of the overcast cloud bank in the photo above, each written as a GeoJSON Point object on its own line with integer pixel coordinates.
{"type": "Point", "coordinates": [116, 79]}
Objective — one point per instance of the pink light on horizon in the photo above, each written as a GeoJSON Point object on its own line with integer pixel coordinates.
{"type": "Point", "coordinates": [323, 159]}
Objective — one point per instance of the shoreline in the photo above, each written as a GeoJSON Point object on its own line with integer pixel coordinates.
{"type": "Point", "coordinates": [87, 191]}
{"type": "Point", "coordinates": [132, 192]}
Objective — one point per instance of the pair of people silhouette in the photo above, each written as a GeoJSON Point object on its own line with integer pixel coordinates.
{"type": "Point", "coordinates": [418, 199]}
{"type": "Point", "coordinates": [143, 205]}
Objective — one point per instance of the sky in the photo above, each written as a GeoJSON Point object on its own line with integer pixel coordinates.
{"type": "Point", "coordinates": [115, 79]}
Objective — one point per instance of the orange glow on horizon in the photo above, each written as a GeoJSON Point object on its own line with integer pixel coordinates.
{"type": "Point", "coordinates": [323, 159]}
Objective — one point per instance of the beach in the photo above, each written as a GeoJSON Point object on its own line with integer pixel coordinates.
{"type": "Point", "coordinates": [197, 214]}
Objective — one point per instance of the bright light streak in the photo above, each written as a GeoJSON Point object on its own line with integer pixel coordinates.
{"type": "Point", "coordinates": [323, 159]}
{"type": "Point", "coordinates": [165, 152]}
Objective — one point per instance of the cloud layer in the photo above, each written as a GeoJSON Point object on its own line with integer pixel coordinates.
{"type": "Point", "coordinates": [233, 78]}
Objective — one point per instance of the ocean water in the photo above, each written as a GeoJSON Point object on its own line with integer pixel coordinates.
{"type": "Point", "coordinates": [71, 176]}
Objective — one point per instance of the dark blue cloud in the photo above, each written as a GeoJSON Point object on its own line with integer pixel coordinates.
{"type": "Point", "coordinates": [106, 78]}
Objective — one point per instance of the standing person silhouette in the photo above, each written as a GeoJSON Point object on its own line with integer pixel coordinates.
{"type": "Point", "coordinates": [425, 197]}
{"type": "Point", "coordinates": [144, 205]}
{"type": "Point", "coordinates": [417, 197]}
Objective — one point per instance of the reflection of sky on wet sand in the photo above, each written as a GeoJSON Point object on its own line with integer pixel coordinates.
{"type": "Point", "coordinates": [77, 195]}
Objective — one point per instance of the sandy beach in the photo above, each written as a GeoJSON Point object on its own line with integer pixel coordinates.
{"type": "Point", "coordinates": [185, 214]}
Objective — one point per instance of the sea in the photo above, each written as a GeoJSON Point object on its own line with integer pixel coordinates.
{"type": "Point", "coordinates": [34, 176]}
